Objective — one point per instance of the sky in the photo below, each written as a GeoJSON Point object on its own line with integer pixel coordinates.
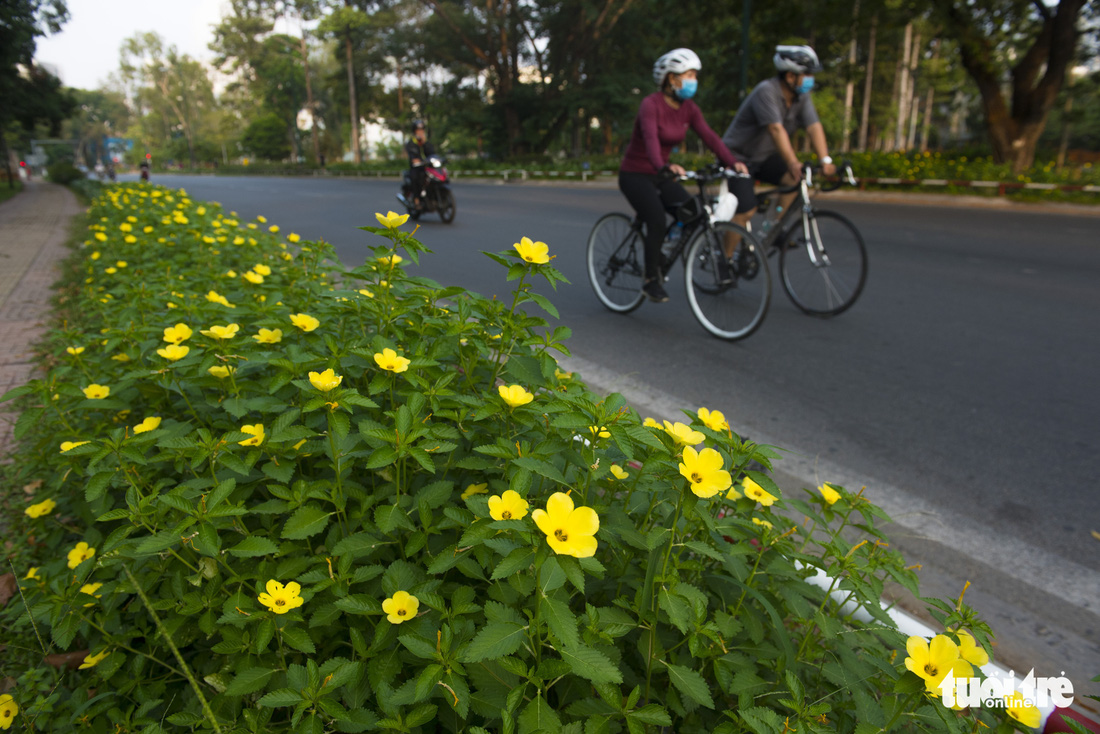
{"type": "Point", "coordinates": [85, 53]}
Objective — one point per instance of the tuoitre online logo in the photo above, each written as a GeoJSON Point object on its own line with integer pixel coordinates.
{"type": "Point", "coordinates": [993, 692]}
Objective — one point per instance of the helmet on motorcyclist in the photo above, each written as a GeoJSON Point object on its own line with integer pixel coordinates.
{"type": "Point", "coordinates": [417, 125]}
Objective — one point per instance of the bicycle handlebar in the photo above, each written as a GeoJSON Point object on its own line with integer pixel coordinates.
{"type": "Point", "coordinates": [846, 176]}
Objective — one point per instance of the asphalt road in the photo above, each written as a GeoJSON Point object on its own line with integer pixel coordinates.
{"type": "Point", "coordinates": [966, 374]}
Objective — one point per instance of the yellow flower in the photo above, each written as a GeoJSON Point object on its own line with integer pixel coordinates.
{"type": "Point", "coordinates": [569, 531]}
{"type": "Point", "coordinates": [390, 260]}
{"type": "Point", "coordinates": [79, 554]}
{"type": "Point", "coordinates": [257, 433]}
{"type": "Point", "coordinates": [90, 661]}
{"type": "Point", "coordinates": [651, 423]}
{"type": "Point", "coordinates": [392, 220]}
{"type": "Point", "coordinates": [532, 252]}
{"type": "Point", "coordinates": [221, 371]}
{"type": "Point", "coordinates": [222, 332]}
{"type": "Point", "coordinates": [599, 432]}
{"type": "Point", "coordinates": [514, 395]}
{"type": "Point", "coordinates": [177, 334]}
{"type": "Point", "coordinates": [970, 650]}
{"type": "Point", "coordinates": [261, 269]}
{"type": "Point", "coordinates": [293, 237]}
{"type": "Point", "coordinates": [8, 710]}
{"type": "Point", "coordinates": [45, 507]}
{"type": "Point", "coordinates": [74, 350]}
{"type": "Point", "coordinates": [755, 492]}
{"type": "Point", "coordinates": [174, 352]}
{"type": "Point", "coordinates": [704, 470]}
{"type": "Point", "coordinates": [365, 292]}
{"type": "Point", "coordinates": [66, 445]}
{"type": "Point", "coordinates": [281, 599]}
{"type": "Point", "coordinates": [32, 573]}
{"type": "Point", "coordinates": [215, 297]}
{"type": "Point", "coordinates": [96, 392]}
{"type": "Point", "coordinates": [120, 264]}
{"type": "Point", "coordinates": [618, 472]}
{"type": "Point", "coordinates": [305, 322]}
{"type": "Point", "coordinates": [90, 590]}
{"type": "Point", "coordinates": [269, 336]}
{"type": "Point", "coordinates": [101, 237]}
{"type": "Point", "coordinates": [238, 240]}
{"type": "Point", "coordinates": [829, 494]}
{"type": "Point", "coordinates": [273, 229]}
{"type": "Point", "coordinates": [325, 381]}
{"type": "Point", "coordinates": [508, 506]}
{"type": "Point", "coordinates": [562, 375]}
{"type": "Point", "coordinates": [713, 419]}
{"type": "Point", "coordinates": [149, 424]}
{"type": "Point", "coordinates": [402, 606]}
{"type": "Point", "coordinates": [125, 227]}
{"type": "Point", "coordinates": [1025, 713]}
{"type": "Point", "coordinates": [388, 359]}
{"type": "Point", "coordinates": [931, 662]}
{"type": "Point", "coordinates": [254, 278]}
{"type": "Point", "coordinates": [684, 435]}
{"type": "Point", "coordinates": [473, 489]}
{"type": "Point", "coordinates": [762, 523]}
{"type": "Point", "coordinates": [733, 494]}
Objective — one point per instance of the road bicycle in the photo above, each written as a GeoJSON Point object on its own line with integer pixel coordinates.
{"type": "Point", "coordinates": [822, 256]}
{"type": "Point", "coordinates": [729, 300]}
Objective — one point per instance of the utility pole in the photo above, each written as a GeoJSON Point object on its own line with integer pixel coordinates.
{"type": "Point", "coordinates": [746, 16]}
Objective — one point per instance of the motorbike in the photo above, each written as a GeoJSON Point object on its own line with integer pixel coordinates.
{"type": "Point", "coordinates": [436, 196]}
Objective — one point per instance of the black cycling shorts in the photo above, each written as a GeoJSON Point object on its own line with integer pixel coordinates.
{"type": "Point", "coordinates": [770, 171]}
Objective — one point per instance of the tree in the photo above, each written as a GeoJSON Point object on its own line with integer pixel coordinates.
{"type": "Point", "coordinates": [21, 22]}
{"type": "Point", "coordinates": [266, 138]}
{"type": "Point", "coordinates": [1034, 42]}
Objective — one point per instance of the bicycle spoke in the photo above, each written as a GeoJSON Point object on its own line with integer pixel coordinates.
{"type": "Point", "coordinates": [824, 276]}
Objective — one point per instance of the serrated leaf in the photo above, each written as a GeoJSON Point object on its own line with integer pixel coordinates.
{"type": "Point", "coordinates": [494, 640]}
{"type": "Point", "coordinates": [762, 720]}
{"type": "Point", "coordinates": [299, 639]}
{"type": "Point", "coordinates": [592, 665]}
{"type": "Point", "coordinates": [281, 697]}
{"type": "Point", "coordinates": [249, 680]}
{"type": "Point", "coordinates": [561, 621]}
{"type": "Point", "coordinates": [691, 684]}
{"type": "Point", "coordinates": [306, 521]}
{"type": "Point", "coordinates": [253, 546]}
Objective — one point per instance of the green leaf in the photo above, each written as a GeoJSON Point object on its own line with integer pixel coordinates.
{"type": "Point", "coordinates": [359, 604]}
{"type": "Point", "coordinates": [306, 521]}
{"type": "Point", "coordinates": [691, 684]}
{"type": "Point", "coordinates": [545, 303]}
{"type": "Point", "coordinates": [253, 546]}
{"type": "Point", "coordinates": [539, 717]}
{"type": "Point", "coordinates": [593, 665]}
{"type": "Point", "coordinates": [762, 720]}
{"type": "Point", "coordinates": [560, 620]}
{"type": "Point", "coordinates": [299, 639]}
{"type": "Point", "coordinates": [652, 714]}
{"type": "Point", "coordinates": [418, 646]}
{"type": "Point", "coordinates": [677, 608]}
{"type": "Point", "coordinates": [97, 485]}
{"type": "Point", "coordinates": [282, 697]}
{"type": "Point", "coordinates": [517, 560]}
{"type": "Point", "coordinates": [249, 680]}
{"type": "Point", "coordinates": [494, 640]}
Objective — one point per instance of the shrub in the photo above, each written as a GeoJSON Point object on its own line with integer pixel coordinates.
{"type": "Point", "coordinates": [264, 493]}
{"type": "Point", "coordinates": [64, 172]}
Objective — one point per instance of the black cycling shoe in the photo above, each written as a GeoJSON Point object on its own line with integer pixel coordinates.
{"type": "Point", "coordinates": [654, 291]}
{"type": "Point", "coordinates": [724, 274]}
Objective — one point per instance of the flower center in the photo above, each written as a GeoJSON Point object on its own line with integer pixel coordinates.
{"type": "Point", "coordinates": [560, 535]}
{"type": "Point", "coordinates": [506, 515]}
{"type": "Point", "coordinates": [401, 612]}
{"type": "Point", "coordinates": [696, 477]}
{"type": "Point", "coordinates": [931, 669]}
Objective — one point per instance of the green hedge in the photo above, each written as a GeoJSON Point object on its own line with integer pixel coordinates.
{"type": "Point", "coordinates": [261, 492]}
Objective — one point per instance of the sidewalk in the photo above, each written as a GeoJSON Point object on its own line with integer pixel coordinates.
{"type": "Point", "coordinates": [34, 227]}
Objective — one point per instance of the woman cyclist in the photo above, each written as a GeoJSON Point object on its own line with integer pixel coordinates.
{"type": "Point", "coordinates": [646, 178]}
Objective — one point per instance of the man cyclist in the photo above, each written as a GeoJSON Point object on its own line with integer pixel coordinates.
{"type": "Point", "coordinates": [418, 150]}
{"type": "Point", "coordinates": [762, 129]}
{"type": "Point", "coordinates": [646, 178]}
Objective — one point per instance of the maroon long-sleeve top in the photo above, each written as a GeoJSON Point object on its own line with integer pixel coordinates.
{"type": "Point", "coordinates": [659, 127]}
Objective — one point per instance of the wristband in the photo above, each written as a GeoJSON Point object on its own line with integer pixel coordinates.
{"type": "Point", "coordinates": [827, 160]}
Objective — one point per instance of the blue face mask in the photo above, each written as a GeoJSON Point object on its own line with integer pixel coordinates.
{"type": "Point", "coordinates": [806, 85]}
{"type": "Point", "coordinates": [687, 89]}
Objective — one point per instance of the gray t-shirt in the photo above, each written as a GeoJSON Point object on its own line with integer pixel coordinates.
{"type": "Point", "coordinates": [748, 135]}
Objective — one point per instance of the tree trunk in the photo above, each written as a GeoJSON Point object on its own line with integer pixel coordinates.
{"type": "Point", "coordinates": [867, 84]}
{"type": "Point", "coordinates": [1063, 144]}
{"type": "Point", "coordinates": [309, 103]}
{"type": "Point", "coordinates": [902, 98]}
{"type": "Point", "coordinates": [353, 103]}
{"type": "Point", "coordinates": [926, 127]}
{"type": "Point", "coordinates": [605, 126]}
{"type": "Point", "coordinates": [914, 100]}
{"type": "Point", "coordinates": [850, 87]}
{"type": "Point", "coordinates": [400, 87]}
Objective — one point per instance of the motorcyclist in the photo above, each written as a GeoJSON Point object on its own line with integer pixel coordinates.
{"type": "Point", "coordinates": [145, 170]}
{"type": "Point", "coordinates": [419, 150]}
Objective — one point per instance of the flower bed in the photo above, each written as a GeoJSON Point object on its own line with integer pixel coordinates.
{"type": "Point", "coordinates": [261, 492]}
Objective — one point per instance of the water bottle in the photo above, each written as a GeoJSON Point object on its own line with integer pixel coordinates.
{"type": "Point", "coordinates": [770, 218]}
{"type": "Point", "coordinates": [673, 239]}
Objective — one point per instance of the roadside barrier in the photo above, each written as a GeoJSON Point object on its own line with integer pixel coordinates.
{"type": "Point", "coordinates": [519, 174]}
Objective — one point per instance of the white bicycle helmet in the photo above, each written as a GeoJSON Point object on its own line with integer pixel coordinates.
{"type": "Point", "coordinates": [675, 62]}
{"type": "Point", "coordinates": [799, 59]}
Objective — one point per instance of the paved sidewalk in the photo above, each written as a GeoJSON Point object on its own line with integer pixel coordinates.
{"type": "Point", "coordinates": [34, 227]}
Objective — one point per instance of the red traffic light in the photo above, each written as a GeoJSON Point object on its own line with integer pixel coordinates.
{"type": "Point", "coordinates": [148, 156]}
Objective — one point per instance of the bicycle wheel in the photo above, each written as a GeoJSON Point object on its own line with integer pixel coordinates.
{"type": "Point", "coordinates": [616, 263]}
{"type": "Point", "coordinates": [734, 309]}
{"type": "Point", "coordinates": [825, 275]}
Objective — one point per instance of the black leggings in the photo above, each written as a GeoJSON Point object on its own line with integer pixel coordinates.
{"type": "Point", "coordinates": [651, 196]}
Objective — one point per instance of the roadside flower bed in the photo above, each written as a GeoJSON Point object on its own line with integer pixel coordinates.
{"type": "Point", "coordinates": [260, 492]}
